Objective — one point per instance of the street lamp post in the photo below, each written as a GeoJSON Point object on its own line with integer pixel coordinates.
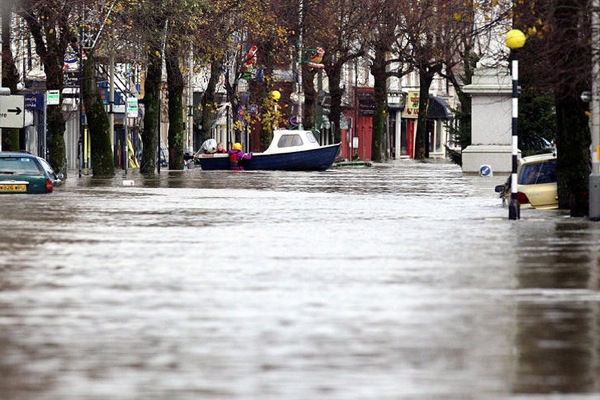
{"type": "Point", "coordinates": [275, 95]}
{"type": "Point", "coordinates": [515, 39]}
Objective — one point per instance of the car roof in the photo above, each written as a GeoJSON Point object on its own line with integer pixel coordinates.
{"type": "Point", "coordinates": [16, 154]}
{"type": "Point", "coordinates": [538, 158]}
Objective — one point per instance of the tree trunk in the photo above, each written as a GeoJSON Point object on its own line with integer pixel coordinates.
{"type": "Point", "coordinates": [208, 100]}
{"type": "Point", "coordinates": [50, 45]}
{"type": "Point", "coordinates": [310, 98]}
{"type": "Point", "coordinates": [98, 123]}
{"type": "Point", "coordinates": [573, 143]}
{"type": "Point", "coordinates": [176, 123]}
{"type": "Point", "coordinates": [10, 76]}
{"type": "Point", "coordinates": [336, 93]}
{"type": "Point", "coordinates": [379, 73]}
{"type": "Point", "coordinates": [233, 99]}
{"type": "Point", "coordinates": [422, 137]}
{"type": "Point", "coordinates": [573, 136]}
{"type": "Point", "coordinates": [151, 111]}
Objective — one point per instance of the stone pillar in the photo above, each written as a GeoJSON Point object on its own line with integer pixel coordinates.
{"type": "Point", "coordinates": [491, 126]}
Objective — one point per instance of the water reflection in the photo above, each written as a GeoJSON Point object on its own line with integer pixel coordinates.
{"type": "Point", "coordinates": [557, 346]}
{"type": "Point", "coordinates": [558, 337]}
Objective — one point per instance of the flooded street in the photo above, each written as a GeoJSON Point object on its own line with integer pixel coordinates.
{"type": "Point", "coordinates": [401, 281]}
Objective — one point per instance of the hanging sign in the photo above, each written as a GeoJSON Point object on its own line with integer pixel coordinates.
{"type": "Point", "coordinates": [53, 97]}
{"type": "Point", "coordinates": [132, 107]}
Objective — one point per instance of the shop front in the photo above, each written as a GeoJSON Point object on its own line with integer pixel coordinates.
{"type": "Point", "coordinates": [403, 126]}
{"type": "Point", "coordinates": [357, 131]}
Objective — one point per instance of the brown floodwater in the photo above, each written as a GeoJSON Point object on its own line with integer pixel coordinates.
{"type": "Point", "coordinates": [400, 281]}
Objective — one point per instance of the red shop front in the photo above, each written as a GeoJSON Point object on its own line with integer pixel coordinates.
{"type": "Point", "coordinates": [356, 139]}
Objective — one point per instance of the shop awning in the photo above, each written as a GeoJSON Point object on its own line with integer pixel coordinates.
{"type": "Point", "coordinates": [438, 109]}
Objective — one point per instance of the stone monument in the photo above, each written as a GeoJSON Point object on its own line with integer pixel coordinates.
{"type": "Point", "coordinates": [491, 121]}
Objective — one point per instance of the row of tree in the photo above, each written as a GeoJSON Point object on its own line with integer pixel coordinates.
{"type": "Point", "coordinates": [393, 37]}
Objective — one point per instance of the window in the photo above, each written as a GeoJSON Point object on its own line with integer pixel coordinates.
{"type": "Point", "coordinates": [19, 166]}
{"type": "Point", "coordinates": [543, 172]}
{"type": "Point", "coordinates": [48, 168]}
{"type": "Point", "coordinates": [289, 141]}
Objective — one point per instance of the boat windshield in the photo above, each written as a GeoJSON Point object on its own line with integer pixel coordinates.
{"type": "Point", "coordinates": [311, 138]}
{"type": "Point", "coordinates": [291, 140]}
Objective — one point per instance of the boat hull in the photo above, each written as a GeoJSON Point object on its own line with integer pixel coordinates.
{"type": "Point", "coordinates": [318, 159]}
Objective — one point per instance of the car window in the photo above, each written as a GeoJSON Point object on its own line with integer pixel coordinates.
{"type": "Point", "coordinates": [48, 168]}
{"type": "Point", "coordinates": [19, 166]}
{"type": "Point", "coordinates": [537, 173]}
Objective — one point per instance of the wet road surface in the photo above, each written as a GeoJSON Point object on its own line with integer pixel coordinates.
{"type": "Point", "coordinates": [401, 281]}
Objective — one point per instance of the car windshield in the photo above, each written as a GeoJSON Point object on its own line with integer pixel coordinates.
{"type": "Point", "coordinates": [19, 166]}
{"type": "Point", "coordinates": [542, 172]}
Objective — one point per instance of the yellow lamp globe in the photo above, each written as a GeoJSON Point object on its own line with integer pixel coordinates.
{"type": "Point", "coordinates": [515, 39]}
{"type": "Point", "coordinates": [275, 95]}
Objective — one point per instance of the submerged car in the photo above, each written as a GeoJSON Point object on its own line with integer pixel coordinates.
{"type": "Point", "coordinates": [536, 183]}
{"type": "Point", "coordinates": [26, 173]}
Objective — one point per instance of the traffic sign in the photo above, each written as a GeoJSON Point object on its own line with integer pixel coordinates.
{"type": "Point", "coordinates": [53, 97]}
{"type": "Point", "coordinates": [12, 111]}
{"type": "Point", "coordinates": [485, 170]}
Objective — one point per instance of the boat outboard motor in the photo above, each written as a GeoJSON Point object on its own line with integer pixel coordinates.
{"type": "Point", "coordinates": [209, 146]}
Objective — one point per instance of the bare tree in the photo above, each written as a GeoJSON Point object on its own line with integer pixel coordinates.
{"type": "Point", "coordinates": [49, 24]}
{"type": "Point", "coordinates": [338, 26]}
{"type": "Point", "coordinates": [557, 59]}
{"type": "Point", "coordinates": [94, 16]}
{"type": "Point", "coordinates": [434, 35]}
{"type": "Point", "coordinates": [387, 49]}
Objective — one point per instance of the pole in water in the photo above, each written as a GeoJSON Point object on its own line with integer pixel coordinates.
{"type": "Point", "coordinates": [515, 39]}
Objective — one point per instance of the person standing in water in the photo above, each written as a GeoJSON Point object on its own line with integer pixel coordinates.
{"type": "Point", "coordinates": [236, 156]}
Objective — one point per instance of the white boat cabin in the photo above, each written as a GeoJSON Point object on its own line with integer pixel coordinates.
{"type": "Point", "coordinates": [285, 141]}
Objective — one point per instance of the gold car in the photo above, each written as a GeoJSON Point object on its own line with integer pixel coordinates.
{"type": "Point", "coordinates": [536, 185]}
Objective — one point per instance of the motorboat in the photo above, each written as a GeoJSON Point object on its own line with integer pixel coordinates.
{"type": "Point", "coordinates": [290, 150]}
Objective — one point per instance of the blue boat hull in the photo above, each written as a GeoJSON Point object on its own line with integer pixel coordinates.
{"type": "Point", "coordinates": [318, 159]}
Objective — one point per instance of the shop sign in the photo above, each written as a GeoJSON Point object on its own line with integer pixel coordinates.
{"type": "Point", "coordinates": [396, 100]}
{"type": "Point", "coordinates": [366, 103]}
{"type": "Point", "coordinates": [411, 110]}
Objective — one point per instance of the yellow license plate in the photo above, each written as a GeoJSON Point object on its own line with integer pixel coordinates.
{"type": "Point", "coordinates": [13, 187]}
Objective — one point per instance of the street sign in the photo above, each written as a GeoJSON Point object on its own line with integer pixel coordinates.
{"type": "Point", "coordinates": [34, 101]}
{"type": "Point", "coordinates": [485, 171]}
{"type": "Point", "coordinates": [12, 111]}
{"type": "Point", "coordinates": [53, 97]}
{"type": "Point", "coordinates": [132, 107]}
